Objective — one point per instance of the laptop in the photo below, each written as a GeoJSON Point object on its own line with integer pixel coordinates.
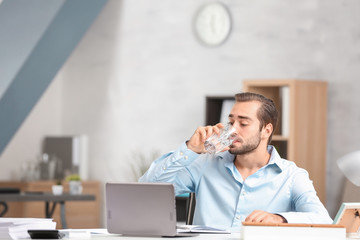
{"type": "Point", "coordinates": [141, 209]}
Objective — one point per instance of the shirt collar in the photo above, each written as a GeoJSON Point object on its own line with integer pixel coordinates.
{"type": "Point", "coordinates": [275, 159]}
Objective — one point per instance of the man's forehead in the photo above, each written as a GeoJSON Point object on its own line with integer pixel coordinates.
{"type": "Point", "coordinates": [245, 110]}
{"type": "Point", "coordinates": [240, 116]}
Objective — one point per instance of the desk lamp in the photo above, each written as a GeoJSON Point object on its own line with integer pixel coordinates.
{"type": "Point", "coordinates": [350, 166]}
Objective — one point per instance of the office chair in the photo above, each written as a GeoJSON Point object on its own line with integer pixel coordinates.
{"type": "Point", "coordinates": [190, 209]}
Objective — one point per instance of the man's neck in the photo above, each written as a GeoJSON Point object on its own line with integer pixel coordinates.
{"type": "Point", "coordinates": [249, 163]}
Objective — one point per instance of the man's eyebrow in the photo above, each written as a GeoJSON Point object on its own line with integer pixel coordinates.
{"type": "Point", "coordinates": [240, 117]}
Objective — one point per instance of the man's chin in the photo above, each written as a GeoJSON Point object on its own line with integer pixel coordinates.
{"type": "Point", "coordinates": [236, 151]}
{"type": "Point", "coordinates": [232, 149]}
{"type": "Point", "coordinates": [235, 146]}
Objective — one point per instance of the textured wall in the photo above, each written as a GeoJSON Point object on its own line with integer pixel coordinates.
{"type": "Point", "coordinates": [138, 79]}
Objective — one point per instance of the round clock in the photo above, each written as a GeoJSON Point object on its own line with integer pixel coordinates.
{"type": "Point", "coordinates": [212, 24]}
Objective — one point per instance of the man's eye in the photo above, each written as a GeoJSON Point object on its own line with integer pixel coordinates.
{"type": "Point", "coordinates": [243, 124]}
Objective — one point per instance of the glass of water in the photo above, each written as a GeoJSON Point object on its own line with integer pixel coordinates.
{"type": "Point", "coordinates": [217, 142]}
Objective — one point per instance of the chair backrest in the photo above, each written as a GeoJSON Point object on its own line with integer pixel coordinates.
{"type": "Point", "coordinates": [190, 209]}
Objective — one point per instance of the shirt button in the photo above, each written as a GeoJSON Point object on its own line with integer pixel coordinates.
{"type": "Point", "coordinates": [164, 168]}
{"type": "Point", "coordinates": [244, 193]}
{"type": "Point", "coordinates": [238, 217]}
{"type": "Point", "coordinates": [186, 157]}
{"type": "Point", "coordinates": [181, 153]}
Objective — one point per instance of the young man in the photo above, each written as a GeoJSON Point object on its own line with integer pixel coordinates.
{"type": "Point", "coordinates": [248, 181]}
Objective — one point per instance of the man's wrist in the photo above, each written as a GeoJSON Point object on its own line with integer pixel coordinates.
{"type": "Point", "coordinates": [191, 148]}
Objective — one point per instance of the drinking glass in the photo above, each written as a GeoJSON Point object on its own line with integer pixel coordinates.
{"type": "Point", "coordinates": [217, 142]}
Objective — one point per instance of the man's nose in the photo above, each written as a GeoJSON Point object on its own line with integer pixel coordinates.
{"type": "Point", "coordinates": [237, 127]}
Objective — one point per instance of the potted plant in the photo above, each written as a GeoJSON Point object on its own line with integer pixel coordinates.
{"type": "Point", "coordinates": [75, 186]}
{"type": "Point", "coordinates": [58, 188]}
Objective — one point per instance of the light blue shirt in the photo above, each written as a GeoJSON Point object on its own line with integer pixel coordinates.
{"type": "Point", "coordinates": [224, 199]}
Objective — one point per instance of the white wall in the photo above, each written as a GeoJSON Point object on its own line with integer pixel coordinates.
{"type": "Point", "coordinates": [138, 79]}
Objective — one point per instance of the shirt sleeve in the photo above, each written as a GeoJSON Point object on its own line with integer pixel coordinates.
{"type": "Point", "coordinates": [173, 168]}
{"type": "Point", "coordinates": [307, 205]}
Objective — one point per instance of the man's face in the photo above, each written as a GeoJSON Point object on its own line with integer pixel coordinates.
{"type": "Point", "coordinates": [243, 116]}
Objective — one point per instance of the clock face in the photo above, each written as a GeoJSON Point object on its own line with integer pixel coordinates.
{"type": "Point", "coordinates": [212, 24]}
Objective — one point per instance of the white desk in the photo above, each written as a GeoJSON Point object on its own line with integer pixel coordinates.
{"type": "Point", "coordinates": [232, 236]}
{"type": "Point", "coordinates": [102, 234]}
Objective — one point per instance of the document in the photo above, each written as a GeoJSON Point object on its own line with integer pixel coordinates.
{"type": "Point", "coordinates": [200, 229]}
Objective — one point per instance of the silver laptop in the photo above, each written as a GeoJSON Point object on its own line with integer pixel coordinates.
{"type": "Point", "coordinates": [141, 209]}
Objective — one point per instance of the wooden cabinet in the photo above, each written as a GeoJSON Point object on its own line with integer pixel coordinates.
{"type": "Point", "coordinates": [301, 132]}
{"type": "Point", "coordinates": [79, 214]}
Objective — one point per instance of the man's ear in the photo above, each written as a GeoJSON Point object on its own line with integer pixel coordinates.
{"type": "Point", "coordinates": [267, 130]}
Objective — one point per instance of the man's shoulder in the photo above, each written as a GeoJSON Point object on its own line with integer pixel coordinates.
{"type": "Point", "coordinates": [290, 167]}
{"type": "Point", "coordinates": [282, 162]}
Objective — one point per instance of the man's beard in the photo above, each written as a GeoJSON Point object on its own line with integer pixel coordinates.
{"type": "Point", "coordinates": [247, 147]}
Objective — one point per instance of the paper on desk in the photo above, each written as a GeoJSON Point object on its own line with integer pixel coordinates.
{"type": "Point", "coordinates": [16, 228]}
{"type": "Point", "coordinates": [83, 233]}
{"type": "Point", "coordinates": [200, 229]}
{"type": "Point", "coordinates": [76, 233]}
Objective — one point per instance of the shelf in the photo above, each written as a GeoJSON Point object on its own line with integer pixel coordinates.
{"type": "Point", "coordinates": [279, 138]}
{"type": "Point", "coordinates": [214, 106]}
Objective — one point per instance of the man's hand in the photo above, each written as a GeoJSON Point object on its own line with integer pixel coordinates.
{"type": "Point", "coordinates": [264, 217]}
{"type": "Point", "coordinates": [196, 142]}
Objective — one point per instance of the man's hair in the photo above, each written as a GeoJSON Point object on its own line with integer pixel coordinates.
{"type": "Point", "coordinates": [267, 113]}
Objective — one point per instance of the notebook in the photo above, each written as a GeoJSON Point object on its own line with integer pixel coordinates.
{"type": "Point", "coordinates": [141, 209]}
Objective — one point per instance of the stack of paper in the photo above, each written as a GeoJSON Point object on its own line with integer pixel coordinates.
{"type": "Point", "coordinates": [16, 228]}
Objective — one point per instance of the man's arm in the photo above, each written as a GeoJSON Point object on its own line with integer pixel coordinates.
{"type": "Point", "coordinates": [174, 166]}
{"type": "Point", "coordinates": [308, 207]}
{"type": "Point", "coordinates": [167, 167]}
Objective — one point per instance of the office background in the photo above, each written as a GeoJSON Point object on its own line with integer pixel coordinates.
{"type": "Point", "coordinates": [136, 83]}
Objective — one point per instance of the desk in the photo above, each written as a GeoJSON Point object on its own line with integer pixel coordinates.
{"type": "Point", "coordinates": [48, 198]}
{"type": "Point", "coordinates": [79, 214]}
{"type": "Point", "coordinates": [103, 236]}
{"type": "Point", "coordinates": [232, 236]}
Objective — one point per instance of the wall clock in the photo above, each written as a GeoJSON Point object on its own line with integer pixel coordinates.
{"type": "Point", "coordinates": [212, 24]}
